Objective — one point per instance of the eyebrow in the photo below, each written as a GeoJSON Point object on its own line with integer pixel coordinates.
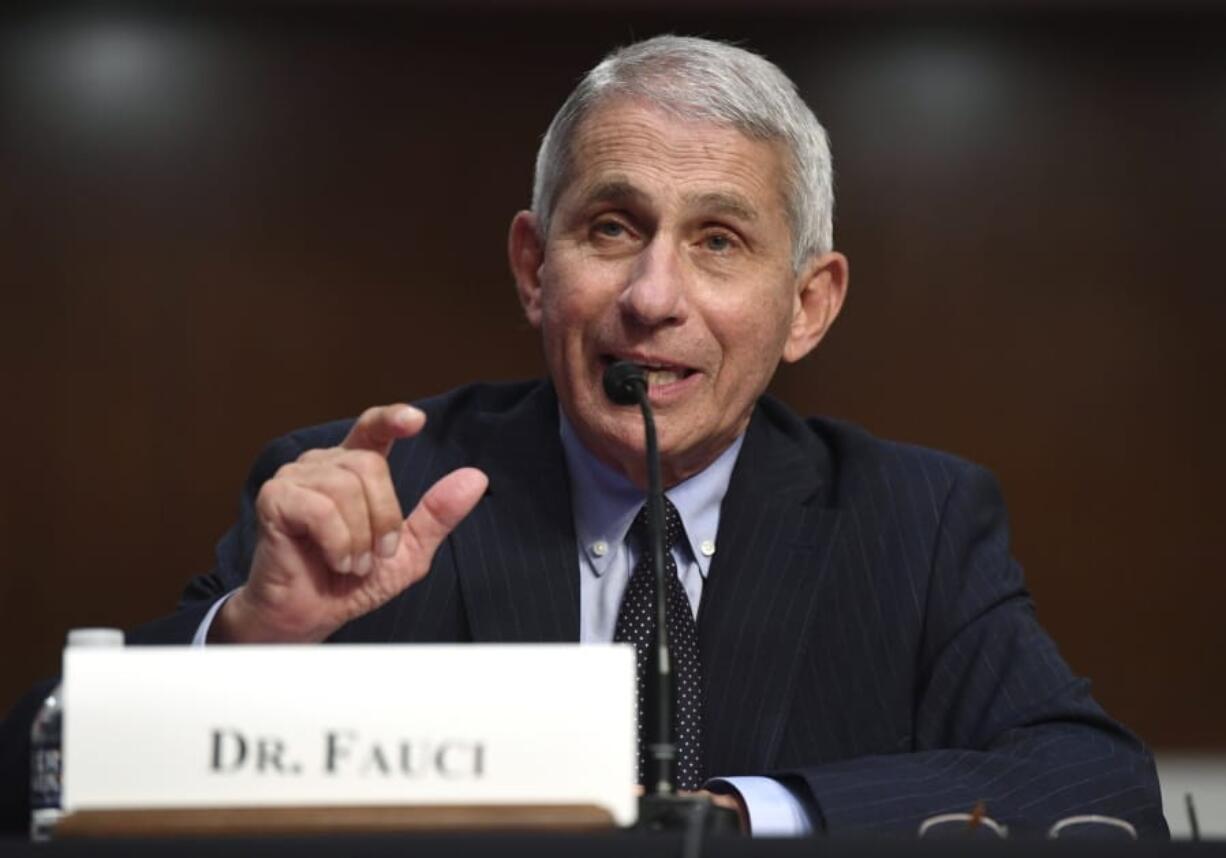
{"type": "Point", "coordinates": [618, 190]}
{"type": "Point", "coordinates": [721, 202]}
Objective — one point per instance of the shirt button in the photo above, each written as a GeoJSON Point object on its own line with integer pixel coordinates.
{"type": "Point", "coordinates": [707, 548]}
{"type": "Point", "coordinates": [600, 548]}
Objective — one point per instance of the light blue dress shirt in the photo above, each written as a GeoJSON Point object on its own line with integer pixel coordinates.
{"type": "Point", "coordinates": [605, 504]}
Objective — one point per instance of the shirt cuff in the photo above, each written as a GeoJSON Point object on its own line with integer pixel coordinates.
{"type": "Point", "coordinates": [202, 631]}
{"type": "Point", "coordinates": [773, 809]}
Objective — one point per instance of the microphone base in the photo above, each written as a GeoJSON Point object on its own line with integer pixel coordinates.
{"type": "Point", "coordinates": [685, 813]}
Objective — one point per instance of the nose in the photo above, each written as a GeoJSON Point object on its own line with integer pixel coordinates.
{"type": "Point", "coordinates": [655, 293]}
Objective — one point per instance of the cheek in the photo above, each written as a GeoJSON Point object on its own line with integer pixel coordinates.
{"type": "Point", "coordinates": [752, 336]}
{"type": "Point", "coordinates": [566, 329]}
{"type": "Point", "coordinates": [573, 308]}
{"type": "Point", "coordinates": [557, 314]}
{"type": "Point", "coordinates": [562, 321]}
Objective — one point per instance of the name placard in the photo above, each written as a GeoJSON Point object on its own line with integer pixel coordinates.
{"type": "Point", "coordinates": [349, 725]}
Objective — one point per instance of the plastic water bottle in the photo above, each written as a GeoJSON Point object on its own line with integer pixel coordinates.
{"type": "Point", "coordinates": [47, 743]}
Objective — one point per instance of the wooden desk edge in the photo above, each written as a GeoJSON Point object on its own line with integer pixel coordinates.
{"type": "Point", "coordinates": [282, 821]}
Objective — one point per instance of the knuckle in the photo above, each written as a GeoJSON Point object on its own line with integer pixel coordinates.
{"type": "Point", "coordinates": [367, 463]}
{"type": "Point", "coordinates": [317, 454]}
{"type": "Point", "coordinates": [350, 483]}
{"type": "Point", "coordinates": [317, 508]}
{"type": "Point", "coordinates": [350, 498]}
{"type": "Point", "coordinates": [286, 471]}
{"type": "Point", "coordinates": [327, 525]}
{"type": "Point", "coordinates": [343, 492]}
{"type": "Point", "coordinates": [270, 493]}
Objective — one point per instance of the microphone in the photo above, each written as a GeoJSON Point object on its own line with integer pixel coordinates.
{"type": "Point", "coordinates": [625, 383]}
{"type": "Point", "coordinates": [661, 808]}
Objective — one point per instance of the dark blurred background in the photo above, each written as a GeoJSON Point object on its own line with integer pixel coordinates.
{"type": "Point", "coordinates": [221, 222]}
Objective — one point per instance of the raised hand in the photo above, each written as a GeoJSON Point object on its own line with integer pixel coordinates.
{"type": "Point", "coordinates": [333, 545]}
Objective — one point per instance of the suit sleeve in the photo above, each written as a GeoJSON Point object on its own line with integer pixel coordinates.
{"type": "Point", "coordinates": [998, 716]}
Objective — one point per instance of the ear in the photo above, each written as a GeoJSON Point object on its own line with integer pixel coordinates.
{"type": "Point", "coordinates": [526, 254]}
{"type": "Point", "coordinates": [820, 291]}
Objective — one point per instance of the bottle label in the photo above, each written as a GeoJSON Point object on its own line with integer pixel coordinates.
{"type": "Point", "coordinates": [44, 777]}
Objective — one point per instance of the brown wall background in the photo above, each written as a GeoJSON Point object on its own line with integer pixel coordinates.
{"type": "Point", "coordinates": [216, 226]}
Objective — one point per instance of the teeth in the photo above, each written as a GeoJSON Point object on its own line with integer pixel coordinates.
{"type": "Point", "coordinates": [658, 377]}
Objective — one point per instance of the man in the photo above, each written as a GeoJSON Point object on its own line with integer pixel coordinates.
{"type": "Point", "coordinates": [865, 652]}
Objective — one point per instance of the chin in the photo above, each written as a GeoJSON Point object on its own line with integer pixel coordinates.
{"type": "Point", "coordinates": [606, 428]}
{"type": "Point", "coordinates": [625, 432]}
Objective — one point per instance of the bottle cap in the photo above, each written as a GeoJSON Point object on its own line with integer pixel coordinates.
{"type": "Point", "coordinates": [95, 637]}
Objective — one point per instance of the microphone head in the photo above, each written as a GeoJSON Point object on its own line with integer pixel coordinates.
{"type": "Point", "coordinates": [625, 383]}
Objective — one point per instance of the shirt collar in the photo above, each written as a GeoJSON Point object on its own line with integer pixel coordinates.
{"type": "Point", "coordinates": [606, 502]}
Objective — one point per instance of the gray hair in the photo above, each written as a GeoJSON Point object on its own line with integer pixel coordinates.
{"type": "Point", "coordinates": [698, 78]}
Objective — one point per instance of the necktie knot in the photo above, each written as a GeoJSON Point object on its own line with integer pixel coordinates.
{"type": "Point", "coordinates": [674, 530]}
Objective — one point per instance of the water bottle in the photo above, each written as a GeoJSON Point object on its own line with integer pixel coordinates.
{"type": "Point", "coordinates": [46, 743]}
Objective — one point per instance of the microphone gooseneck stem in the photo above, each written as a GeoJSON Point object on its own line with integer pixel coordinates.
{"type": "Point", "coordinates": [662, 749]}
{"type": "Point", "coordinates": [661, 808]}
{"type": "Point", "coordinates": [625, 383]}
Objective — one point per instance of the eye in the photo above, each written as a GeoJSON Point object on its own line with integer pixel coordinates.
{"type": "Point", "coordinates": [719, 241]}
{"type": "Point", "coordinates": [610, 229]}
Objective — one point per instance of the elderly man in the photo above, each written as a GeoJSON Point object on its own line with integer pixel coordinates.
{"type": "Point", "coordinates": [864, 653]}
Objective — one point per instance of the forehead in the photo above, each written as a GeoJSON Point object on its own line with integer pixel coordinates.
{"type": "Point", "coordinates": [627, 148]}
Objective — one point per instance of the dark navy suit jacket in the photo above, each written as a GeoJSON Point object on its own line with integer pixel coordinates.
{"type": "Point", "coordinates": [865, 635]}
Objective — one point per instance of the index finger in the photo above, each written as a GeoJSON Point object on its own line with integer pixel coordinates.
{"type": "Point", "coordinates": [378, 427]}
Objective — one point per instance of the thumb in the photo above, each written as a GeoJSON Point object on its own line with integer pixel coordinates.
{"type": "Point", "coordinates": [442, 508]}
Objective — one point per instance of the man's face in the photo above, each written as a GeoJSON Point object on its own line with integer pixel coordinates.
{"type": "Point", "coordinates": [669, 247]}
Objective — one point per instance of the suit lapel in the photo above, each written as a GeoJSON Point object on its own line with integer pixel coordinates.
{"type": "Point", "coordinates": [516, 552]}
{"type": "Point", "coordinates": [517, 558]}
{"type": "Point", "coordinates": [775, 537]}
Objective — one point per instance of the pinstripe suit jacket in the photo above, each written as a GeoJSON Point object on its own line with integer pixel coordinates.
{"type": "Point", "coordinates": [865, 634]}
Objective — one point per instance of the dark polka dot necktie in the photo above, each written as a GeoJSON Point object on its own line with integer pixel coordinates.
{"type": "Point", "coordinates": [636, 624]}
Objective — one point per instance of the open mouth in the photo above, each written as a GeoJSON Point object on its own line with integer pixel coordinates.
{"type": "Point", "coordinates": [658, 374]}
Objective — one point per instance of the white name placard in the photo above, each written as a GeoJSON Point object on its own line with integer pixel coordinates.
{"type": "Point", "coordinates": [349, 725]}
